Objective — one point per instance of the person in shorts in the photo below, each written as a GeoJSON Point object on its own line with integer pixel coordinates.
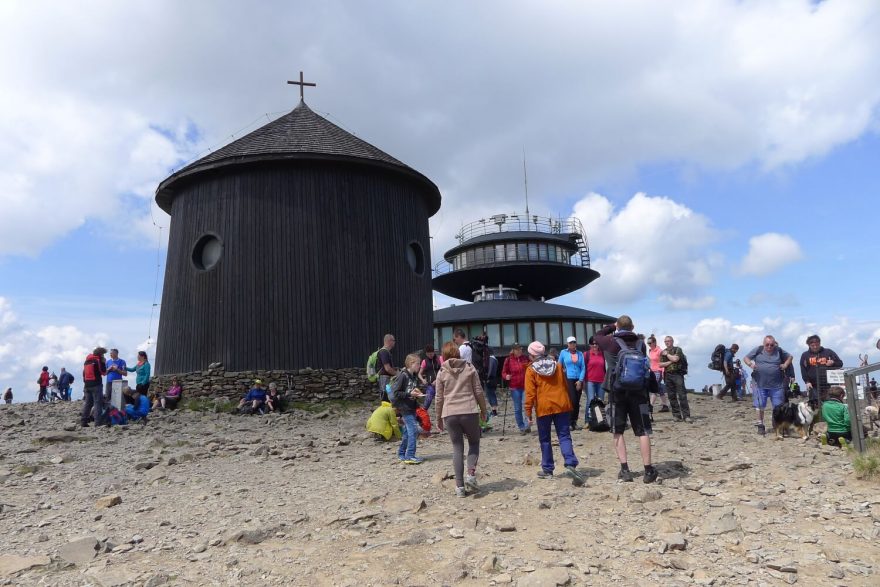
{"type": "Point", "coordinates": [626, 406]}
{"type": "Point", "coordinates": [768, 363]}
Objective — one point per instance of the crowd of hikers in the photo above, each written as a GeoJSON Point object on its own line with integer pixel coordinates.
{"type": "Point", "coordinates": [107, 398]}
{"type": "Point", "coordinates": [547, 388]}
{"type": "Point", "coordinates": [619, 380]}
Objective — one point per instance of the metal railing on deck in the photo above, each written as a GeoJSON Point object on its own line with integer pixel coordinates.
{"type": "Point", "coordinates": [521, 222]}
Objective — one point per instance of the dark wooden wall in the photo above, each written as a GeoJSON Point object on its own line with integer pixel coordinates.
{"type": "Point", "coordinates": [313, 271]}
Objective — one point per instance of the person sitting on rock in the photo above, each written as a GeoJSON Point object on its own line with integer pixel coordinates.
{"type": "Point", "coordinates": [836, 415]}
{"type": "Point", "coordinates": [383, 423]}
{"type": "Point", "coordinates": [171, 398]}
{"type": "Point", "coordinates": [140, 408]}
{"type": "Point", "coordinates": [255, 400]}
{"type": "Point", "coordinates": [273, 400]}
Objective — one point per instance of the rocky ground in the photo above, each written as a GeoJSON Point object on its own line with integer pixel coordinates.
{"type": "Point", "coordinates": [303, 499]}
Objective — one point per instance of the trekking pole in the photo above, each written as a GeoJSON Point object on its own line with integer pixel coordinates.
{"type": "Point", "coordinates": [504, 417]}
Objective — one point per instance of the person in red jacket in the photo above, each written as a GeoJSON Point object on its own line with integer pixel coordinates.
{"type": "Point", "coordinates": [514, 372]}
{"type": "Point", "coordinates": [595, 359]}
{"type": "Point", "coordinates": [94, 368]}
{"type": "Point", "coordinates": [43, 382]}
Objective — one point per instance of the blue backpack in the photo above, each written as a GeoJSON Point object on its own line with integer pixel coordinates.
{"type": "Point", "coordinates": [632, 369]}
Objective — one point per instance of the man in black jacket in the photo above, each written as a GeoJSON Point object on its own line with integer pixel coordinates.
{"type": "Point", "coordinates": [815, 362]}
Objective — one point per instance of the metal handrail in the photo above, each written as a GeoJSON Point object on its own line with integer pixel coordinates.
{"type": "Point", "coordinates": [444, 266]}
{"type": "Point", "coordinates": [521, 222]}
{"type": "Point", "coordinates": [518, 222]}
{"type": "Point", "coordinates": [850, 383]}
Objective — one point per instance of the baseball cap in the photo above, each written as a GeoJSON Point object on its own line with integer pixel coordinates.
{"type": "Point", "coordinates": [571, 339]}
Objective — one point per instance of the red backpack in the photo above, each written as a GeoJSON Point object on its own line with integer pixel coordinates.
{"type": "Point", "coordinates": [93, 369]}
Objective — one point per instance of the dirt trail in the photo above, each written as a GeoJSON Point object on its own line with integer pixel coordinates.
{"type": "Point", "coordinates": [213, 499]}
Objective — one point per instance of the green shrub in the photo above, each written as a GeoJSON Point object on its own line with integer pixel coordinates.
{"type": "Point", "coordinates": [867, 464]}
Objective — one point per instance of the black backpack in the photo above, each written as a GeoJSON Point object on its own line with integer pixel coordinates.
{"type": "Point", "coordinates": [480, 353]}
{"type": "Point", "coordinates": [716, 363]}
{"type": "Point", "coordinates": [432, 366]}
{"type": "Point", "coordinates": [596, 416]}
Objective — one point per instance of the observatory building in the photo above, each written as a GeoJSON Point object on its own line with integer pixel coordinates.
{"type": "Point", "coordinates": [297, 245]}
{"type": "Point", "coordinates": [508, 266]}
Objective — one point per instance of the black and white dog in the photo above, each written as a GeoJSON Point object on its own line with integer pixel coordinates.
{"type": "Point", "coordinates": [800, 415]}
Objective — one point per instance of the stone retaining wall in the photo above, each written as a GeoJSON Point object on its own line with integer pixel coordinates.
{"type": "Point", "coordinates": [311, 385]}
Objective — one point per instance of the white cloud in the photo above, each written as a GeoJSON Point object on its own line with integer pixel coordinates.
{"type": "Point", "coordinates": [651, 244]}
{"type": "Point", "coordinates": [25, 349]}
{"type": "Point", "coordinates": [709, 84]}
{"type": "Point", "coordinates": [685, 303]}
{"type": "Point", "coordinates": [770, 252]}
{"type": "Point", "coordinates": [846, 336]}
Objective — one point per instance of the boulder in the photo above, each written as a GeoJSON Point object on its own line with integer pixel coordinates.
{"type": "Point", "coordinates": [108, 501]}
{"type": "Point", "coordinates": [10, 564]}
{"type": "Point", "coordinates": [80, 551]}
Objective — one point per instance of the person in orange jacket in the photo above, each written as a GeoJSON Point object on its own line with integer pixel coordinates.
{"type": "Point", "coordinates": [547, 393]}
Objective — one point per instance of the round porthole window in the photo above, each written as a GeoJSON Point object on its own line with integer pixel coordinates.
{"type": "Point", "coordinates": [415, 257]}
{"type": "Point", "coordinates": [207, 252]}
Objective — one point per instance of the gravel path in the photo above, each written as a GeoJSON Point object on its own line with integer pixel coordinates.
{"type": "Point", "coordinates": [297, 499]}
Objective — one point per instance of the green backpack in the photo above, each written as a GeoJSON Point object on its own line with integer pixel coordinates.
{"type": "Point", "coordinates": [372, 367]}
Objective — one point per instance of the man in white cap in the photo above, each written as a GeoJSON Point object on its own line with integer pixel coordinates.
{"type": "Point", "coordinates": [572, 361]}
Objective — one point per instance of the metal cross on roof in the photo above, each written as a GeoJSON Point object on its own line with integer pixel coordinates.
{"type": "Point", "coordinates": [301, 85]}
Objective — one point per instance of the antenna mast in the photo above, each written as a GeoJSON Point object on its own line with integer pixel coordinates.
{"type": "Point", "coordinates": [526, 181]}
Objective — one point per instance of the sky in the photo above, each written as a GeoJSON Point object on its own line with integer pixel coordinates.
{"type": "Point", "coordinates": [722, 155]}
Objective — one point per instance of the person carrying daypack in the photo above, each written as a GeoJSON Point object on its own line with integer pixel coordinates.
{"type": "Point", "coordinates": [428, 370]}
{"type": "Point", "coordinates": [628, 380]}
{"type": "Point", "coordinates": [403, 392]}
{"type": "Point", "coordinates": [94, 369]}
{"type": "Point", "coordinates": [716, 361]}
{"type": "Point", "coordinates": [65, 380]}
{"type": "Point", "coordinates": [674, 364]}
{"type": "Point", "coordinates": [381, 365]}
{"type": "Point", "coordinates": [475, 351]}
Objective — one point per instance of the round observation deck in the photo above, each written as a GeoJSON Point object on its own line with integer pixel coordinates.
{"type": "Point", "coordinates": [536, 257]}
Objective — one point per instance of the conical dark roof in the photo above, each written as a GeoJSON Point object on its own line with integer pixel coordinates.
{"type": "Point", "coordinates": [299, 134]}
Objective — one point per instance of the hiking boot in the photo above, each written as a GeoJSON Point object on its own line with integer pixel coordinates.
{"type": "Point", "coordinates": [470, 483]}
{"type": "Point", "coordinates": [542, 474]}
{"type": "Point", "coordinates": [663, 409]}
{"type": "Point", "coordinates": [574, 426]}
{"type": "Point", "coordinates": [460, 492]}
{"type": "Point", "coordinates": [576, 478]}
{"type": "Point", "coordinates": [689, 420]}
{"type": "Point", "coordinates": [414, 461]}
{"type": "Point", "coordinates": [494, 412]}
{"type": "Point", "coordinates": [525, 431]}
{"type": "Point", "coordinates": [761, 430]}
{"type": "Point", "coordinates": [650, 474]}
{"type": "Point", "coordinates": [625, 475]}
